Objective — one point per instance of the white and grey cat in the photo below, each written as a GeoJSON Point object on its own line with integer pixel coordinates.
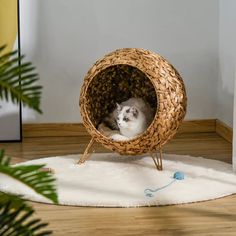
{"type": "Point", "coordinates": [129, 119]}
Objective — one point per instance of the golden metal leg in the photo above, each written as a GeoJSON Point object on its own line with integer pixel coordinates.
{"type": "Point", "coordinates": [47, 169]}
{"type": "Point", "coordinates": [157, 159]}
{"type": "Point", "coordinates": [86, 154]}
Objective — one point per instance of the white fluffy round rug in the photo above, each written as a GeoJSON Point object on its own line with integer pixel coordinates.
{"type": "Point", "coordinates": [109, 180]}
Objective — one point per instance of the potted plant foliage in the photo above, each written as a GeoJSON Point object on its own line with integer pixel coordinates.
{"type": "Point", "coordinates": [18, 82]}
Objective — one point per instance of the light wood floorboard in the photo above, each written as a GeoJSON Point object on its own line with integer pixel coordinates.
{"type": "Point", "coordinates": [216, 217]}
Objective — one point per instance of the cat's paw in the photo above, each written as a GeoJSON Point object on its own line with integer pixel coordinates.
{"type": "Point", "coordinates": [118, 137]}
{"type": "Point", "coordinates": [102, 128]}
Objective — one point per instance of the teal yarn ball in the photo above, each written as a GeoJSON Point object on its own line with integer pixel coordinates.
{"type": "Point", "coordinates": [179, 175]}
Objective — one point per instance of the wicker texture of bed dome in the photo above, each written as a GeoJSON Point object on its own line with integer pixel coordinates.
{"type": "Point", "coordinates": [133, 72]}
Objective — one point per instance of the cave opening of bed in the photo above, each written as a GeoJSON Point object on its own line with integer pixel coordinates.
{"type": "Point", "coordinates": [121, 98]}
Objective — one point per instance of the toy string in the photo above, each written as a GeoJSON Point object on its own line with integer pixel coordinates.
{"type": "Point", "coordinates": [148, 192]}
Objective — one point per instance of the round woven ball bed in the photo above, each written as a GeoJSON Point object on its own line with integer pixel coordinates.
{"type": "Point", "coordinates": [133, 72]}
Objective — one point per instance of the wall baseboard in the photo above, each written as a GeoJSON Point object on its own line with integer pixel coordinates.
{"type": "Point", "coordinates": [78, 129]}
{"type": "Point", "coordinates": [197, 126]}
{"type": "Point", "coordinates": [53, 130]}
{"type": "Point", "coordinates": [224, 131]}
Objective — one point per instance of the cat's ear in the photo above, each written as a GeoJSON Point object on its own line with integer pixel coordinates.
{"type": "Point", "coordinates": [134, 111]}
{"type": "Point", "coordinates": [118, 106]}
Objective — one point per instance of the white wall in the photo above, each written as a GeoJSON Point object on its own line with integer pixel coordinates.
{"type": "Point", "coordinates": [227, 84]}
{"type": "Point", "coordinates": [227, 56]}
{"type": "Point", "coordinates": [64, 38]}
{"type": "Point", "coordinates": [227, 70]}
{"type": "Point", "coordinates": [234, 125]}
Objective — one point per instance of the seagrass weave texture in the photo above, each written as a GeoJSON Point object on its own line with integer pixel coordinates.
{"type": "Point", "coordinates": [133, 72]}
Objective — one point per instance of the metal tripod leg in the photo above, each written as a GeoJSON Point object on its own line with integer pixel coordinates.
{"type": "Point", "coordinates": [86, 153]}
{"type": "Point", "coordinates": [157, 159]}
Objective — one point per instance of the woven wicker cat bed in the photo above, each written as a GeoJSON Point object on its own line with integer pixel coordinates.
{"type": "Point", "coordinates": [133, 72]}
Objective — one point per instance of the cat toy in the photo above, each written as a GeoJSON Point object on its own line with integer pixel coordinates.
{"type": "Point", "coordinates": [177, 176]}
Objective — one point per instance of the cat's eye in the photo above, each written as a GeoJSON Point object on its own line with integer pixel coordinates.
{"type": "Point", "coordinates": [126, 119]}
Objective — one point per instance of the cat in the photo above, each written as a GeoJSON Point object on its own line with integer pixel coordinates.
{"type": "Point", "coordinates": [128, 120]}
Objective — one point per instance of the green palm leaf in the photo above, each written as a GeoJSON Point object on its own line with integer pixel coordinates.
{"type": "Point", "coordinates": [15, 219]}
{"type": "Point", "coordinates": [40, 181]}
{"type": "Point", "coordinates": [17, 80]}
{"type": "Point", "coordinates": [16, 201]}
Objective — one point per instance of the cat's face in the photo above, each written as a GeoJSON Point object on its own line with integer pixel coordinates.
{"type": "Point", "coordinates": [126, 116]}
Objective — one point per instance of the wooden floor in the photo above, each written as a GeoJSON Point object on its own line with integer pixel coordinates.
{"type": "Point", "coordinates": [216, 217]}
